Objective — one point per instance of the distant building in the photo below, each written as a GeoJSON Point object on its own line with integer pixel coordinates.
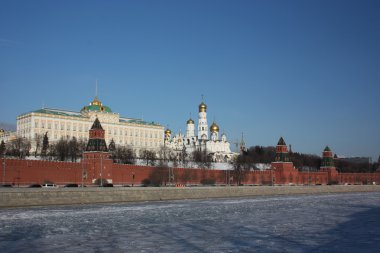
{"type": "Point", "coordinates": [58, 123]}
{"type": "Point", "coordinates": [356, 160]}
{"type": "Point", "coordinates": [7, 136]}
{"type": "Point", "coordinates": [216, 146]}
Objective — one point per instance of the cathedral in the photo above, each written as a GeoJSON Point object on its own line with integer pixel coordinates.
{"type": "Point", "coordinates": [205, 139]}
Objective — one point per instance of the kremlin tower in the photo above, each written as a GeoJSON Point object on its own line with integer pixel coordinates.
{"type": "Point", "coordinates": [282, 154]}
{"type": "Point", "coordinates": [96, 159]}
{"type": "Point", "coordinates": [327, 165]}
{"type": "Point", "coordinates": [282, 167]}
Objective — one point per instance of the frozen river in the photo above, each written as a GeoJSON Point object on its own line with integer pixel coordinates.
{"type": "Point", "coordinates": [304, 223]}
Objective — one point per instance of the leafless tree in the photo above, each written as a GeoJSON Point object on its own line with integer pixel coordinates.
{"type": "Point", "coordinates": [149, 156]}
{"type": "Point", "coordinates": [38, 140]}
{"type": "Point", "coordinates": [19, 147]}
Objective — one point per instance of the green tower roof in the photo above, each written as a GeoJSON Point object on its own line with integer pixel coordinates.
{"type": "Point", "coordinates": [97, 124]}
{"type": "Point", "coordinates": [281, 142]}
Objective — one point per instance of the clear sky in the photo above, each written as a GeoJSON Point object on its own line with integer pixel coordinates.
{"type": "Point", "coordinates": [305, 70]}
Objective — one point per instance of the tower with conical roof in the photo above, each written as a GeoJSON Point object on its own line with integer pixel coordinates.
{"type": "Point", "coordinates": [327, 158]}
{"type": "Point", "coordinates": [96, 142]}
{"type": "Point", "coordinates": [327, 165]}
{"type": "Point", "coordinates": [202, 122]}
{"type": "Point", "coordinates": [282, 154]}
{"type": "Point", "coordinates": [96, 161]}
{"type": "Point", "coordinates": [282, 169]}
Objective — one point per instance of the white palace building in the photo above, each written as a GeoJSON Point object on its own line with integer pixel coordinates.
{"type": "Point", "coordinates": [135, 133]}
{"type": "Point", "coordinates": [215, 145]}
{"type": "Point", "coordinates": [58, 124]}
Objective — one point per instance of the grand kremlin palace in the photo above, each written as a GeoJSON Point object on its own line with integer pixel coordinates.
{"type": "Point", "coordinates": [59, 124]}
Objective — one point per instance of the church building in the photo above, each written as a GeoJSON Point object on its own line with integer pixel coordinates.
{"type": "Point", "coordinates": [201, 138]}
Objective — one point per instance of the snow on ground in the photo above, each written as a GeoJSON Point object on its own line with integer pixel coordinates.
{"type": "Point", "coordinates": [315, 223]}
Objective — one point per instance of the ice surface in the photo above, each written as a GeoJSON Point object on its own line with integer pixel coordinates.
{"type": "Point", "coordinates": [317, 223]}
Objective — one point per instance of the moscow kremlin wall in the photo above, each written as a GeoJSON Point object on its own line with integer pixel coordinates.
{"type": "Point", "coordinates": [96, 164]}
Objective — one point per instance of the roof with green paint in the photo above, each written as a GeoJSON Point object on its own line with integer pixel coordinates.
{"type": "Point", "coordinates": [97, 108]}
{"type": "Point", "coordinates": [281, 142]}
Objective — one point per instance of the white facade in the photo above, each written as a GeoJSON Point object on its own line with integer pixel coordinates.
{"type": "Point", "coordinates": [7, 136]}
{"type": "Point", "coordinates": [67, 124]}
{"type": "Point", "coordinates": [217, 146]}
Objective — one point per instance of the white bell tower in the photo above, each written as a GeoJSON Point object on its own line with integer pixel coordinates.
{"type": "Point", "coordinates": [202, 122]}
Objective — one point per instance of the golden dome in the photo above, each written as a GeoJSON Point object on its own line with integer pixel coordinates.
{"type": "Point", "coordinates": [202, 107]}
{"type": "Point", "coordinates": [96, 101]}
{"type": "Point", "coordinates": [168, 132]}
{"type": "Point", "coordinates": [214, 128]}
{"type": "Point", "coordinates": [190, 121]}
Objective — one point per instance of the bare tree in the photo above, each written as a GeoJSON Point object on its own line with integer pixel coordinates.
{"type": "Point", "coordinates": [124, 155]}
{"type": "Point", "coordinates": [201, 159]}
{"type": "Point", "coordinates": [149, 157]}
{"type": "Point", "coordinates": [45, 145]}
{"type": "Point", "coordinates": [62, 149]}
{"type": "Point", "coordinates": [19, 147]}
{"type": "Point", "coordinates": [73, 148]}
{"type": "Point", "coordinates": [241, 165]}
{"type": "Point", "coordinates": [2, 148]}
{"type": "Point", "coordinates": [38, 140]}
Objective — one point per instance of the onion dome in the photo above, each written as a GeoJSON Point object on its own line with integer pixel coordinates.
{"type": "Point", "coordinates": [202, 107]}
{"type": "Point", "coordinates": [214, 128]}
{"type": "Point", "coordinates": [96, 105]}
{"type": "Point", "coordinates": [190, 121]}
{"type": "Point", "coordinates": [168, 132]}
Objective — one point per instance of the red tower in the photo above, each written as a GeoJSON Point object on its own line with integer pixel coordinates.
{"type": "Point", "coordinates": [328, 165]}
{"type": "Point", "coordinates": [97, 165]}
{"type": "Point", "coordinates": [283, 168]}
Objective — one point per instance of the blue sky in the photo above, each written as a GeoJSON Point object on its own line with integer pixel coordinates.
{"type": "Point", "coordinates": [305, 70]}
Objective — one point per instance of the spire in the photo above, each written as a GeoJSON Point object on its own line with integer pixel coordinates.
{"type": "Point", "coordinates": [96, 125]}
{"type": "Point", "coordinates": [96, 142]}
{"type": "Point", "coordinates": [243, 149]}
{"type": "Point", "coordinates": [96, 88]}
{"type": "Point", "coordinates": [281, 142]}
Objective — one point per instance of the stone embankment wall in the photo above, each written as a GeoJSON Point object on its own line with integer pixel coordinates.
{"type": "Point", "coordinates": [18, 197]}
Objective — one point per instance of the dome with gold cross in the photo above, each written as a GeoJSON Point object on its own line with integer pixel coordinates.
{"type": "Point", "coordinates": [214, 128]}
{"type": "Point", "coordinates": [202, 107]}
{"type": "Point", "coordinates": [96, 105]}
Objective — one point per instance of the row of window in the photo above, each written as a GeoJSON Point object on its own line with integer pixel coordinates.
{"type": "Point", "coordinates": [85, 127]}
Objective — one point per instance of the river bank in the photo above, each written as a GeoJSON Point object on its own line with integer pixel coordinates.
{"type": "Point", "coordinates": [21, 197]}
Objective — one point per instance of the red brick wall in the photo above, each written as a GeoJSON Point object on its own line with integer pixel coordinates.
{"type": "Point", "coordinates": [25, 172]}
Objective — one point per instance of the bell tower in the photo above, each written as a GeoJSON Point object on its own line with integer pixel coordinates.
{"type": "Point", "coordinates": [202, 122]}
